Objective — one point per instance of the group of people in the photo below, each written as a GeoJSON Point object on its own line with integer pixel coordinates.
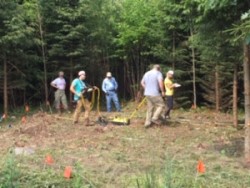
{"type": "Point", "coordinates": [156, 91]}
{"type": "Point", "coordinates": [81, 89]}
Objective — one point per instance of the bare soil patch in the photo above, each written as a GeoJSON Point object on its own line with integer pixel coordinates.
{"type": "Point", "coordinates": [113, 154]}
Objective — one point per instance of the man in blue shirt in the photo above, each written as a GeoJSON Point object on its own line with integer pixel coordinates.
{"type": "Point", "coordinates": [78, 87]}
{"type": "Point", "coordinates": [109, 87]}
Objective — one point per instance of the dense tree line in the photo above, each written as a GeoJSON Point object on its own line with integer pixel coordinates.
{"type": "Point", "coordinates": [204, 41]}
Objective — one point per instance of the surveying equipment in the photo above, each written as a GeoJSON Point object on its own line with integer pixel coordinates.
{"type": "Point", "coordinates": [124, 120]}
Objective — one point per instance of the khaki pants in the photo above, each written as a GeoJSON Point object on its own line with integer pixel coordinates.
{"type": "Point", "coordinates": [155, 106]}
{"type": "Point", "coordinates": [86, 104]}
{"type": "Point", "coordinates": [60, 97]}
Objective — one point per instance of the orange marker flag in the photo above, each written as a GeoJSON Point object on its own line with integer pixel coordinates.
{"type": "Point", "coordinates": [201, 167]}
{"type": "Point", "coordinates": [68, 172]}
{"type": "Point", "coordinates": [24, 119]}
{"type": "Point", "coordinates": [27, 108]}
{"type": "Point", "coordinates": [49, 160]}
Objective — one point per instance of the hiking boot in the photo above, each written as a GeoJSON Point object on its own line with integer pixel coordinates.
{"type": "Point", "coordinates": [162, 118]}
{"type": "Point", "coordinates": [87, 123]}
{"type": "Point", "coordinates": [147, 125]}
{"type": "Point", "coordinates": [167, 117]}
{"type": "Point", "coordinates": [156, 122]}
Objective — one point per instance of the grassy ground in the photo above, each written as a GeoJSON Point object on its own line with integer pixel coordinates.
{"type": "Point", "coordinates": [124, 156]}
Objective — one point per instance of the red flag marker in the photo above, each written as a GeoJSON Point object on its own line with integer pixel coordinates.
{"type": "Point", "coordinates": [23, 120]}
{"type": "Point", "coordinates": [49, 160]}
{"type": "Point", "coordinates": [201, 167]}
{"type": "Point", "coordinates": [68, 172]}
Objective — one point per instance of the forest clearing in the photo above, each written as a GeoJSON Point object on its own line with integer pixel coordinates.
{"type": "Point", "coordinates": [124, 156]}
{"type": "Point", "coordinates": [192, 56]}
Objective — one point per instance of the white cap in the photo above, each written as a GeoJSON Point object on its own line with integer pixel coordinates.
{"type": "Point", "coordinates": [81, 73]}
{"type": "Point", "coordinates": [170, 72]}
{"type": "Point", "coordinates": [109, 74]}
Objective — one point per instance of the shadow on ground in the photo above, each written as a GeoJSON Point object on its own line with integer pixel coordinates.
{"type": "Point", "coordinates": [234, 147]}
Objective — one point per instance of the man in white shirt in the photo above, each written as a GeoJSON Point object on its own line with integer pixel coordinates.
{"type": "Point", "coordinates": [60, 97]}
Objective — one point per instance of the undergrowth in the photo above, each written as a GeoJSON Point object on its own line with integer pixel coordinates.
{"type": "Point", "coordinates": [9, 175]}
{"type": "Point", "coordinates": [173, 174]}
{"type": "Point", "coordinates": [178, 175]}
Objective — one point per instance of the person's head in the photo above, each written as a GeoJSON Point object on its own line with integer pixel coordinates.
{"type": "Point", "coordinates": [61, 74]}
{"type": "Point", "coordinates": [170, 74]}
{"type": "Point", "coordinates": [109, 75]}
{"type": "Point", "coordinates": [82, 75]}
{"type": "Point", "coordinates": [156, 67]}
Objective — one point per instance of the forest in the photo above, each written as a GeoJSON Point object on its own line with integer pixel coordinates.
{"type": "Point", "coordinates": [205, 42]}
{"type": "Point", "coordinates": [201, 40]}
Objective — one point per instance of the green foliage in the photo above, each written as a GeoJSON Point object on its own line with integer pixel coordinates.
{"type": "Point", "coordinates": [178, 174]}
{"type": "Point", "coordinates": [173, 176]}
{"type": "Point", "coordinates": [10, 173]}
{"type": "Point", "coordinates": [13, 175]}
{"type": "Point", "coordinates": [124, 37]}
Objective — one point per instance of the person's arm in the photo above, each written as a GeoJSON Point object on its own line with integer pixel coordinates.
{"type": "Point", "coordinates": [72, 89]}
{"type": "Point", "coordinates": [161, 84]}
{"type": "Point", "coordinates": [103, 86]}
{"type": "Point", "coordinates": [169, 86]}
{"type": "Point", "coordinates": [53, 84]}
{"type": "Point", "coordinates": [89, 87]}
{"type": "Point", "coordinates": [143, 83]}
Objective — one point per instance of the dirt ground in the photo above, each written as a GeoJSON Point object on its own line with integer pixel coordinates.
{"type": "Point", "coordinates": [114, 155]}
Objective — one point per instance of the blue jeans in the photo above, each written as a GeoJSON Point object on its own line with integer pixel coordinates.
{"type": "Point", "coordinates": [112, 96]}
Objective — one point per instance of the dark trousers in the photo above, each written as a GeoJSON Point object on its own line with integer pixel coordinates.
{"type": "Point", "coordinates": [169, 104]}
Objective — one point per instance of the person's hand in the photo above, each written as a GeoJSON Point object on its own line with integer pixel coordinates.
{"type": "Point", "coordinates": [95, 88]}
{"type": "Point", "coordinates": [79, 94]}
{"type": "Point", "coordinates": [164, 97]}
{"type": "Point", "coordinates": [89, 89]}
{"type": "Point", "coordinates": [163, 93]}
{"type": "Point", "coordinates": [107, 93]}
{"type": "Point", "coordinates": [176, 85]}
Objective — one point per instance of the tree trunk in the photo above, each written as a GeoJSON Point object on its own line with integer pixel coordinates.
{"type": "Point", "coordinates": [247, 101]}
{"type": "Point", "coordinates": [70, 80]}
{"type": "Point", "coordinates": [5, 86]}
{"type": "Point", "coordinates": [235, 96]}
{"type": "Point", "coordinates": [173, 51]}
{"type": "Point", "coordinates": [43, 55]}
{"type": "Point", "coordinates": [128, 79]}
{"type": "Point", "coordinates": [217, 89]}
{"type": "Point", "coordinates": [194, 73]}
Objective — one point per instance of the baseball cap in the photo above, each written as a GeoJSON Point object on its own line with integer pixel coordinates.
{"type": "Point", "coordinates": [171, 72]}
{"type": "Point", "coordinates": [109, 74]}
{"type": "Point", "coordinates": [81, 73]}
